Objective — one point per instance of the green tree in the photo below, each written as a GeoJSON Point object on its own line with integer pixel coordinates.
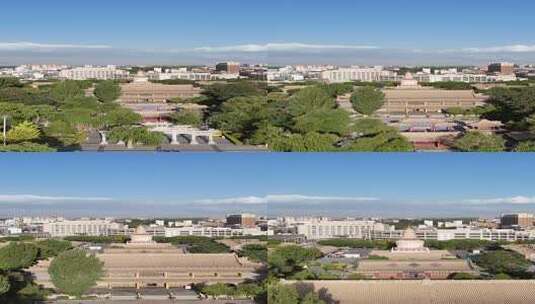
{"type": "Point", "coordinates": [512, 104]}
{"type": "Point", "coordinates": [462, 276]}
{"type": "Point", "coordinates": [323, 121]}
{"type": "Point", "coordinates": [218, 289]}
{"type": "Point", "coordinates": [66, 90]}
{"type": "Point", "coordinates": [135, 135]}
{"type": "Point", "coordinates": [502, 276]}
{"type": "Point", "coordinates": [254, 252]}
{"type": "Point", "coordinates": [249, 290]}
{"type": "Point", "coordinates": [479, 142]}
{"type": "Point", "coordinates": [4, 283]}
{"type": "Point", "coordinates": [367, 100]}
{"type": "Point", "coordinates": [191, 118]}
{"type": "Point", "coordinates": [64, 134]}
{"type": "Point", "coordinates": [310, 142]}
{"type": "Point", "coordinates": [308, 100]}
{"type": "Point", "coordinates": [526, 146]}
{"type": "Point", "coordinates": [372, 135]}
{"type": "Point", "coordinates": [450, 85]}
{"type": "Point", "coordinates": [312, 298]}
{"type": "Point", "coordinates": [218, 93]}
{"type": "Point", "coordinates": [282, 294]}
{"type": "Point", "coordinates": [196, 244]}
{"type": "Point", "coordinates": [337, 89]}
{"type": "Point", "coordinates": [107, 91]}
{"type": "Point", "coordinates": [241, 116]}
{"type": "Point", "coordinates": [10, 82]}
{"type": "Point", "coordinates": [351, 243]}
{"type": "Point", "coordinates": [23, 132]}
{"type": "Point", "coordinates": [121, 117]}
{"type": "Point", "coordinates": [74, 272]}
{"type": "Point", "coordinates": [503, 262]}
{"type": "Point", "coordinates": [286, 260]}
{"type": "Point", "coordinates": [17, 256]}
{"type": "Point", "coordinates": [51, 248]}
{"type": "Point", "coordinates": [26, 147]}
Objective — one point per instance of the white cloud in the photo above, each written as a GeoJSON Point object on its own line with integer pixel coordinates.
{"type": "Point", "coordinates": [25, 198]}
{"type": "Point", "coordinates": [519, 48]}
{"type": "Point", "coordinates": [284, 198]}
{"type": "Point", "coordinates": [515, 200]}
{"type": "Point", "coordinates": [18, 46]}
{"type": "Point", "coordinates": [281, 47]}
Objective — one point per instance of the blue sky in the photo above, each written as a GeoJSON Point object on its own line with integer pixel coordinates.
{"type": "Point", "coordinates": [300, 184]}
{"type": "Point", "coordinates": [275, 31]}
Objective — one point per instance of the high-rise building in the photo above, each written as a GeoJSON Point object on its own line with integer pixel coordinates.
{"type": "Point", "coordinates": [505, 68]}
{"type": "Point", "coordinates": [228, 67]}
{"type": "Point", "coordinates": [523, 220]}
{"type": "Point", "coordinates": [242, 220]}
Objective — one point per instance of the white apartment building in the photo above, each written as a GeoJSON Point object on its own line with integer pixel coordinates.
{"type": "Point", "coordinates": [184, 74]}
{"type": "Point", "coordinates": [462, 77]}
{"type": "Point", "coordinates": [508, 235]}
{"type": "Point", "coordinates": [90, 72]}
{"type": "Point", "coordinates": [338, 229]}
{"type": "Point", "coordinates": [81, 227]}
{"type": "Point", "coordinates": [212, 231]}
{"type": "Point", "coordinates": [356, 74]}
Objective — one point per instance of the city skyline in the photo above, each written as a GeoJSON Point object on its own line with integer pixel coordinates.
{"type": "Point", "coordinates": [343, 32]}
{"type": "Point", "coordinates": [396, 185]}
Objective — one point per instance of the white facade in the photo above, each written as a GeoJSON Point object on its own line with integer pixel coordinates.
{"type": "Point", "coordinates": [89, 72]}
{"type": "Point", "coordinates": [212, 231]}
{"type": "Point", "coordinates": [80, 227]}
{"type": "Point", "coordinates": [334, 229]}
{"type": "Point", "coordinates": [462, 77]}
{"type": "Point", "coordinates": [509, 235]}
{"type": "Point", "coordinates": [356, 74]}
{"type": "Point", "coordinates": [184, 74]}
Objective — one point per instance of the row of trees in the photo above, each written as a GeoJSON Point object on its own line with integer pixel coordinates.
{"type": "Point", "coordinates": [196, 244]}
{"type": "Point", "coordinates": [307, 121]}
{"type": "Point", "coordinates": [353, 243]}
{"type": "Point", "coordinates": [72, 271]}
{"type": "Point", "coordinates": [61, 117]}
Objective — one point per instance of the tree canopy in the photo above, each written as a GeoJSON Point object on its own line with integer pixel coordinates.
{"type": "Point", "coordinates": [310, 99]}
{"type": "Point", "coordinates": [132, 135]}
{"type": "Point", "coordinates": [17, 256]}
{"type": "Point", "coordinates": [107, 91]}
{"type": "Point", "coordinates": [479, 142]}
{"type": "Point", "coordinates": [186, 117]}
{"type": "Point", "coordinates": [74, 272]}
{"type": "Point", "coordinates": [255, 252]}
{"type": "Point", "coordinates": [4, 284]}
{"type": "Point", "coordinates": [367, 100]}
{"type": "Point", "coordinates": [504, 262]}
{"type": "Point", "coordinates": [372, 135]}
{"type": "Point", "coordinates": [286, 260]}
{"type": "Point", "coordinates": [51, 248]}
{"type": "Point", "coordinates": [61, 113]}
{"type": "Point", "coordinates": [23, 132]}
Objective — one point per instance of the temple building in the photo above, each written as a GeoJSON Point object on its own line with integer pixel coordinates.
{"type": "Point", "coordinates": [410, 98]}
{"type": "Point", "coordinates": [410, 243]}
{"type": "Point", "coordinates": [151, 100]}
{"type": "Point", "coordinates": [411, 260]}
{"type": "Point", "coordinates": [143, 263]}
